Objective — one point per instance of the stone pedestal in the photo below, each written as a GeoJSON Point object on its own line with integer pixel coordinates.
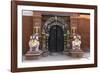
{"type": "Point", "coordinates": [76, 53]}
{"type": "Point", "coordinates": [67, 52]}
{"type": "Point", "coordinates": [45, 54]}
{"type": "Point", "coordinates": [33, 55]}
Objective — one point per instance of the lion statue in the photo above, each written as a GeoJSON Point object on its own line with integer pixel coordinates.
{"type": "Point", "coordinates": [34, 42]}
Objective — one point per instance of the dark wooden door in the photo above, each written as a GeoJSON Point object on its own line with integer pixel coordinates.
{"type": "Point", "coordinates": [56, 39]}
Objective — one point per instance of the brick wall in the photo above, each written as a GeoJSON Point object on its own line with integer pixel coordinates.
{"type": "Point", "coordinates": [27, 23]}
{"type": "Point", "coordinates": [83, 29]}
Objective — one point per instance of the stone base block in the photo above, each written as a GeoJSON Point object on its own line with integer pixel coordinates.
{"type": "Point", "coordinates": [77, 53]}
{"type": "Point", "coordinates": [45, 54]}
{"type": "Point", "coordinates": [33, 55]}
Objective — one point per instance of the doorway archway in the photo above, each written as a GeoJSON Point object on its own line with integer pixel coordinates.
{"type": "Point", "coordinates": [51, 23]}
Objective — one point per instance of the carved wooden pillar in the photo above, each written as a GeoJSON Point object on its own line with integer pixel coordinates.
{"type": "Point", "coordinates": [72, 31]}
{"type": "Point", "coordinates": [36, 22]}
{"type": "Point", "coordinates": [74, 23]}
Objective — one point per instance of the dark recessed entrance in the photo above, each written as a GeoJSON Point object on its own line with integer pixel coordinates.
{"type": "Point", "coordinates": [56, 39]}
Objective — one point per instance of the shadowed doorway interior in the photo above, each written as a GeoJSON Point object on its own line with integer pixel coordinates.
{"type": "Point", "coordinates": [56, 39]}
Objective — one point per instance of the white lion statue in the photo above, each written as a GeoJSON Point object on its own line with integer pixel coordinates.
{"type": "Point", "coordinates": [34, 42]}
{"type": "Point", "coordinates": [76, 43]}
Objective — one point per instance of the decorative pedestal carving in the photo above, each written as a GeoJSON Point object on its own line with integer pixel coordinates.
{"type": "Point", "coordinates": [45, 53]}
{"type": "Point", "coordinates": [67, 52]}
{"type": "Point", "coordinates": [76, 53]}
{"type": "Point", "coordinates": [33, 54]}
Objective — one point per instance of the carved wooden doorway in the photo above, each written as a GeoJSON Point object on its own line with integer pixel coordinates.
{"type": "Point", "coordinates": [56, 39]}
{"type": "Point", "coordinates": [54, 33]}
